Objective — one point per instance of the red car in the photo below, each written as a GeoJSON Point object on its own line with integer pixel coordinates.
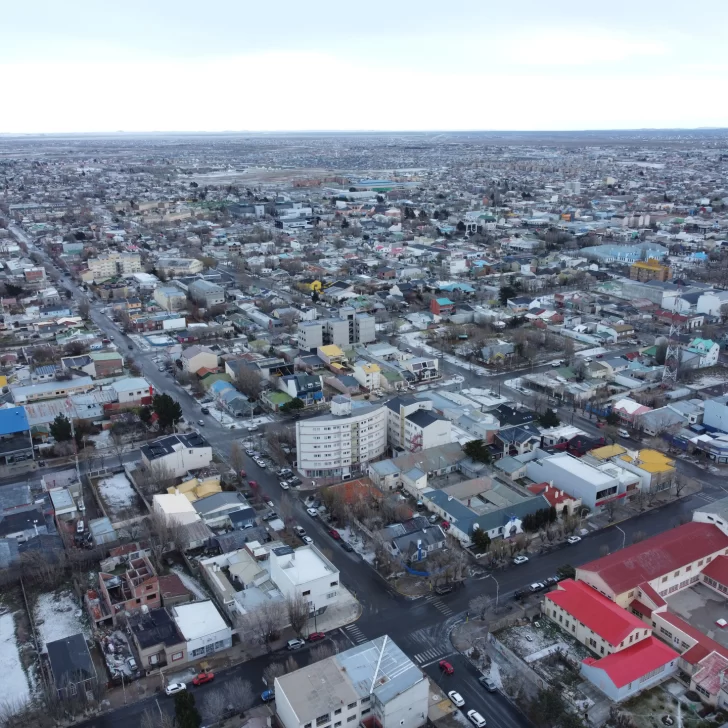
{"type": "Point", "coordinates": [445, 525]}
{"type": "Point", "coordinates": [253, 483]}
{"type": "Point", "coordinates": [600, 425]}
{"type": "Point", "coordinates": [446, 667]}
{"type": "Point", "coordinates": [203, 677]}
{"type": "Point", "coordinates": [243, 474]}
{"type": "Point", "coordinates": [334, 534]}
{"type": "Point", "coordinates": [316, 636]}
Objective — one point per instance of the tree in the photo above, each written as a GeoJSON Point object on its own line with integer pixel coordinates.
{"type": "Point", "coordinates": [271, 672]}
{"type": "Point", "coordinates": [152, 718]}
{"type": "Point", "coordinates": [84, 308]}
{"type": "Point", "coordinates": [237, 460]}
{"type": "Point", "coordinates": [566, 571]}
{"type": "Point", "coordinates": [249, 382]}
{"type": "Point", "coordinates": [163, 535]}
{"type": "Point", "coordinates": [265, 622]}
{"type": "Point", "coordinates": [168, 410]}
{"type": "Point", "coordinates": [186, 714]}
{"type": "Point", "coordinates": [322, 652]}
{"type": "Point", "coordinates": [546, 709]}
{"type": "Point", "coordinates": [481, 539]}
{"type": "Point", "coordinates": [478, 450]}
{"type": "Point", "coordinates": [661, 352]}
{"type": "Point", "coordinates": [479, 605]}
{"type": "Point", "coordinates": [549, 418]}
{"type": "Point", "coordinates": [505, 293]}
{"type": "Point", "coordinates": [294, 405]}
{"type": "Point", "coordinates": [60, 429]}
{"type": "Point", "coordinates": [239, 695]}
{"type": "Point", "coordinates": [298, 611]}
{"type": "Point", "coordinates": [613, 419]}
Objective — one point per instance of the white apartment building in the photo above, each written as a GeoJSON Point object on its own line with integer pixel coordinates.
{"type": "Point", "coordinates": [411, 425]}
{"type": "Point", "coordinates": [305, 572]}
{"type": "Point", "coordinates": [372, 680]}
{"type": "Point", "coordinates": [349, 328]}
{"type": "Point", "coordinates": [343, 442]}
{"type": "Point", "coordinates": [368, 374]}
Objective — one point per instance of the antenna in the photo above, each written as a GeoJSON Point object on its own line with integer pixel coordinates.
{"type": "Point", "coordinates": [672, 353]}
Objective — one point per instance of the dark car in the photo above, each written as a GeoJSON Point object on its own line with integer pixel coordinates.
{"type": "Point", "coordinates": [519, 594]}
{"type": "Point", "coordinates": [443, 589]}
{"type": "Point", "coordinates": [346, 545]}
{"type": "Point", "coordinates": [205, 411]}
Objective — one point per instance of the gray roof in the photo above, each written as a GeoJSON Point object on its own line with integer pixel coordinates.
{"type": "Point", "coordinates": [218, 500]}
{"type": "Point", "coordinates": [70, 660]}
{"type": "Point", "coordinates": [718, 508]}
{"type": "Point", "coordinates": [423, 418]}
{"type": "Point", "coordinates": [384, 467]}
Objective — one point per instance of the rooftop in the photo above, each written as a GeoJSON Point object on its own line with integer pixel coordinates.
{"type": "Point", "coordinates": [197, 619]}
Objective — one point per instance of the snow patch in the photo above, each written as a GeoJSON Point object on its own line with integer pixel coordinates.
{"type": "Point", "coordinates": [14, 687]}
{"type": "Point", "coordinates": [116, 492]}
{"type": "Point", "coordinates": [192, 584]}
{"type": "Point", "coordinates": [57, 616]}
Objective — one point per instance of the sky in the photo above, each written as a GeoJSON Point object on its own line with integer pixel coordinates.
{"type": "Point", "coordinates": [237, 65]}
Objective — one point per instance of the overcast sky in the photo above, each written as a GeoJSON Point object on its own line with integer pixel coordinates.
{"type": "Point", "coordinates": [155, 65]}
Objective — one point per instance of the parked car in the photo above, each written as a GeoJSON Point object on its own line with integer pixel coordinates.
{"type": "Point", "coordinates": [307, 540]}
{"type": "Point", "coordinates": [205, 410]}
{"type": "Point", "coordinates": [295, 644]}
{"type": "Point", "coordinates": [174, 688]}
{"type": "Point", "coordinates": [334, 534]}
{"type": "Point", "coordinates": [537, 586]}
{"type": "Point", "coordinates": [299, 531]}
{"type": "Point", "coordinates": [573, 539]}
{"type": "Point", "coordinates": [284, 485]}
{"type": "Point", "coordinates": [346, 545]}
{"type": "Point", "coordinates": [443, 589]}
{"type": "Point", "coordinates": [201, 423]}
{"type": "Point", "coordinates": [446, 667]}
{"type": "Point", "coordinates": [316, 636]}
{"type": "Point", "coordinates": [476, 719]}
{"type": "Point", "coordinates": [203, 677]}
{"type": "Point", "coordinates": [249, 453]}
{"type": "Point", "coordinates": [456, 698]}
{"type": "Point", "coordinates": [253, 483]}
{"type": "Point", "coordinates": [267, 695]}
{"type": "Point", "coordinates": [488, 683]}
{"type": "Point", "coordinates": [520, 560]}
{"type": "Point", "coordinates": [623, 433]}
{"type": "Point", "coordinates": [312, 512]}
{"type": "Point", "coordinates": [270, 516]}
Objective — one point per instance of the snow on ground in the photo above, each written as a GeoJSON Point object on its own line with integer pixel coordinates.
{"type": "Point", "coordinates": [117, 493]}
{"type": "Point", "coordinates": [417, 341]}
{"type": "Point", "coordinates": [57, 616]}
{"type": "Point", "coordinates": [191, 583]}
{"type": "Point", "coordinates": [460, 436]}
{"type": "Point", "coordinates": [14, 687]}
{"type": "Point", "coordinates": [102, 440]}
{"type": "Point", "coordinates": [359, 546]}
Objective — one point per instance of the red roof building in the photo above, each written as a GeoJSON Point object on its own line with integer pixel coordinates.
{"type": "Point", "coordinates": [629, 671]}
{"type": "Point", "coordinates": [594, 620]}
{"type": "Point", "coordinates": [667, 560]}
{"type": "Point", "coordinates": [555, 497]}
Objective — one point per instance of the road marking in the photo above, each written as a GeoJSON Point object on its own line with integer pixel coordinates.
{"type": "Point", "coordinates": [355, 635]}
{"type": "Point", "coordinates": [708, 498]}
{"type": "Point", "coordinates": [439, 605]}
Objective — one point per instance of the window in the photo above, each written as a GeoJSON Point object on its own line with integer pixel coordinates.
{"type": "Point", "coordinates": [331, 595]}
{"type": "Point", "coordinates": [337, 724]}
{"type": "Point", "coordinates": [334, 583]}
{"type": "Point", "coordinates": [306, 593]}
{"type": "Point", "coordinates": [366, 700]}
{"type": "Point", "coordinates": [702, 691]}
{"type": "Point", "coordinates": [337, 711]}
{"type": "Point", "coordinates": [351, 705]}
{"type": "Point", "coordinates": [664, 579]}
{"type": "Point", "coordinates": [677, 573]}
{"type": "Point", "coordinates": [368, 710]}
{"type": "Point", "coordinates": [307, 725]}
{"type": "Point", "coordinates": [176, 656]}
{"type": "Point", "coordinates": [153, 659]}
{"type": "Point", "coordinates": [350, 718]}
{"type": "Point", "coordinates": [197, 653]}
{"type": "Point", "coordinates": [322, 719]}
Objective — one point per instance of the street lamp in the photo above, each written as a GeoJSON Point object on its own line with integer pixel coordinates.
{"type": "Point", "coordinates": [497, 589]}
{"type": "Point", "coordinates": [624, 535]}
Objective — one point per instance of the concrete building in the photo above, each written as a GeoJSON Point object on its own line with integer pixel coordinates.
{"type": "Point", "coordinates": [179, 266]}
{"type": "Point", "coordinates": [170, 298]}
{"type": "Point", "coordinates": [204, 630]}
{"type": "Point", "coordinates": [113, 264]}
{"type": "Point", "coordinates": [412, 426]}
{"type": "Point", "coordinates": [206, 294]}
{"type": "Point", "coordinates": [305, 572]}
{"type": "Point", "coordinates": [16, 442]}
{"type": "Point", "coordinates": [649, 270]}
{"type": "Point", "coordinates": [595, 485]}
{"type": "Point", "coordinates": [197, 357]}
{"type": "Point", "coordinates": [157, 639]}
{"type": "Point", "coordinates": [343, 442]}
{"type": "Point", "coordinates": [374, 680]}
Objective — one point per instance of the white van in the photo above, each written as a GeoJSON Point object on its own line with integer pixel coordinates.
{"type": "Point", "coordinates": [80, 526]}
{"type": "Point", "coordinates": [622, 432]}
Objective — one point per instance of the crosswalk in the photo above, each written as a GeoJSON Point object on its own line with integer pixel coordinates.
{"type": "Point", "coordinates": [708, 498]}
{"type": "Point", "coordinates": [355, 634]}
{"type": "Point", "coordinates": [439, 605]}
{"type": "Point", "coordinates": [431, 655]}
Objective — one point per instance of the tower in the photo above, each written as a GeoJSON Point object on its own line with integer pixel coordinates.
{"type": "Point", "coordinates": [672, 353]}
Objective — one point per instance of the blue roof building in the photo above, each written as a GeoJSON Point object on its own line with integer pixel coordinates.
{"type": "Point", "coordinates": [15, 437]}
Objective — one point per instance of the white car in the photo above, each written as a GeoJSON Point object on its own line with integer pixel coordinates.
{"type": "Point", "coordinates": [476, 719]}
{"type": "Point", "coordinates": [174, 688]}
{"type": "Point", "coordinates": [307, 540]}
{"type": "Point", "coordinates": [312, 512]}
{"type": "Point", "coordinates": [520, 560]}
{"type": "Point", "coordinates": [456, 698]}
{"type": "Point", "coordinates": [573, 539]}
{"type": "Point", "coordinates": [284, 485]}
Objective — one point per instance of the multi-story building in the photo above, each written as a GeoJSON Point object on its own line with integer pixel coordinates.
{"type": "Point", "coordinates": [197, 357]}
{"type": "Point", "coordinates": [207, 294]}
{"type": "Point", "coordinates": [112, 264]}
{"type": "Point", "coordinates": [179, 266]}
{"type": "Point", "coordinates": [170, 298]}
{"type": "Point", "coordinates": [349, 328]}
{"type": "Point", "coordinates": [343, 442]}
{"type": "Point", "coordinates": [305, 572]}
{"type": "Point", "coordinates": [373, 684]}
{"type": "Point", "coordinates": [412, 426]}
{"type": "Point", "coordinates": [177, 454]}
{"type": "Point", "coordinates": [649, 270]}
{"type": "Point", "coordinates": [203, 628]}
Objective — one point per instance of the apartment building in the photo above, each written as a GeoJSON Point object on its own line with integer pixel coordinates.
{"type": "Point", "coordinates": [412, 426]}
{"type": "Point", "coordinates": [206, 293]}
{"type": "Point", "coordinates": [350, 328]}
{"type": "Point", "coordinates": [113, 264]}
{"type": "Point", "coordinates": [343, 442]}
{"type": "Point", "coordinates": [177, 454]}
{"type": "Point", "coordinates": [374, 683]}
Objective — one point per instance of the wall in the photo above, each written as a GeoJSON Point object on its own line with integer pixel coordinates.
{"type": "Point", "coordinates": [284, 710]}
{"type": "Point", "coordinates": [406, 710]}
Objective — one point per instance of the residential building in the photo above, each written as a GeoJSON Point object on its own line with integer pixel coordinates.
{"type": "Point", "coordinates": [700, 353]}
{"type": "Point", "coordinates": [368, 375]}
{"type": "Point", "coordinates": [374, 680]}
{"type": "Point", "coordinates": [133, 391]}
{"type": "Point", "coordinates": [194, 358]}
{"type": "Point", "coordinates": [306, 387]}
{"type": "Point", "coordinates": [305, 572]}
{"type": "Point", "coordinates": [422, 368]}
{"type": "Point", "coordinates": [415, 539]}
{"type": "Point", "coordinates": [442, 307]}
{"type": "Point", "coordinates": [157, 639]}
{"type": "Point", "coordinates": [715, 415]}
{"type": "Point", "coordinates": [412, 426]}
{"type": "Point", "coordinates": [177, 455]}
{"type": "Point", "coordinates": [16, 441]}
{"type": "Point", "coordinates": [24, 394]}
{"type": "Point", "coordinates": [204, 630]}
{"type": "Point", "coordinates": [206, 294]}
{"type": "Point", "coordinates": [216, 509]}
{"type": "Point", "coordinates": [179, 266]}
{"type": "Point", "coordinates": [71, 666]}
{"type": "Point", "coordinates": [713, 303]}
{"type": "Point", "coordinates": [110, 265]}
{"type": "Point", "coordinates": [343, 442]}
{"type": "Point", "coordinates": [649, 270]}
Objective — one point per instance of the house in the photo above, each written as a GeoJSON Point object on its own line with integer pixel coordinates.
{"type": "Point", "coordinates": [71, 667]}
{"type": "Point", "coordinates": [16, 443]}
{"type": "Point", "coordinates": [305, 572]}
{"type": "Point", "coordinates": [342, 442]}
{"type": "Point", "coordinates": [176, 455]}
{"type": "Point", "coordinates": [701, 353]}
{"type": "Point", "coordinates": [179, 266]}
{"type": "Point", "coordinates": [157, 639]}
{"type": "Point", "coordinates": [649, 270]}
{"type": "Point", "coordinates": [422, 368]}
{"type": "Point", "coordinates": [559, 499]}
{"type": "Point", "coordinates": [629, 410]}
{"type": "Point", "coordinates": [204, 630]}
{"type": "Point", "coordinates": [497, 353]}
{"type": "Point", "coordinates": [306, 387]}
{"type": "Point", "coordinates": [442, 307]}
{"type": "Point", "coordinates": [516, 440]}
{"type": "Point", "coordinates": [715, 415]}
{"type": "Point", "coordinates": [216, 509]}
{"type": "Point", "coordinates": [206, 294]}
{"type": "Point", "coordinates": [133, 391]}
{"type": "Point", "coordinates": [373, 683]}
{"type": "Point", "coordinates": [170, 298]}
{"type": "Point", "coordinates": [194, 358]}
{"type": "Point", "coordinates": [415, 539]}
{"type": "Point", "coordinates": [368, 375]}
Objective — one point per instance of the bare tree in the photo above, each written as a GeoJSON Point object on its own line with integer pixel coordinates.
{"type": "Point", "coordinates": [164, 535]}
{"type": "Point", "coordinates": [479, 605]}
{"type": "Point", "coordinates": [237, 459]}
{"type": "Point", "coordinates": [323, 651]}
{"type": "Point", "coordinates": [265, 622]}
{"type": "Point", "coordinates": [271, 672]}
{"type": "Point", "coordinates": [290, 665]}
{"type": "Point", "coordinates": [239, 695]}
{"type": "Point", "coordinates": [214, 706]}
{"type": "Point", "coordinates": [117, 443]}
{"type": "Point", "coordinates": [249, 382]}
{"type": "Point", "coordinates": [298, 611]}
{"type": "Point", "coordinates": [153, 718]}
{"type": "Point", "coordinates": [680, 482]}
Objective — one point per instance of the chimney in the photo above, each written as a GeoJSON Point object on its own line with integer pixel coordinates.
{"type": "Point", "coordinates": [176, 491]}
